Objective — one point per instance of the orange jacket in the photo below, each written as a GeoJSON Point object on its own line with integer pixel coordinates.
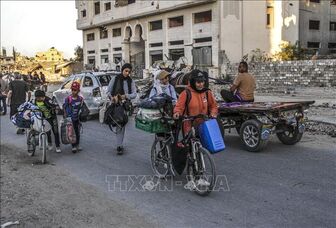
{"type": "Point", "coordinates": [198, 103]}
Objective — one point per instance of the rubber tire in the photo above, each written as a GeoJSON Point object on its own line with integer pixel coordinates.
{"type": "Point", "coordinates": [153, 159]}
{"type": "Point", "coordinates": [206, 155]}
{"type": "Point", "coordinates": [31, 133]}
{"type": "Point", "coordinates": [44, 149]}
{"type": "Point", "coordinates": [297, 136]}
{"type": "Point", "coordinates": [261, 143]}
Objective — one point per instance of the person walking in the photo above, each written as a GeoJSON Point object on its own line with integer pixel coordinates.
{"type": "Point", "coordinates": [3, 95]}
{"type": "Point", "coordinates": [18, 93]}
{"type": "Point", "coordinates": [122, 86]}
{"type": "Point", "coordinates": [72, 107]}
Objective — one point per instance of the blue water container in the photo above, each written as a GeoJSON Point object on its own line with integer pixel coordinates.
{"type": "Point", "coordinates": [211, 136]}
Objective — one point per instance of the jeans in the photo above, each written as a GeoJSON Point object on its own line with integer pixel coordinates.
{"type": "Point", "coordinates": [76, 125]}
{"type": "Point", "coordinates": [120, 137]}
{"type": "Point", "coordinates": [3, 104]}
{"type": "Point", "coordinates": [54, 126]}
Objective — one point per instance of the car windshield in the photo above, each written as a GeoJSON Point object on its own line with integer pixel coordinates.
{"type": "Point", "coordinates": [105, 79]}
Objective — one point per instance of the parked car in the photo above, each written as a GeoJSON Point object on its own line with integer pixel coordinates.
{"type": "Point", "coordinates": [93, 89]}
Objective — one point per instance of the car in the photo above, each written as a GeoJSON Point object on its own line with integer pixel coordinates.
{"type": "Point", "coordinates": [93, 89]}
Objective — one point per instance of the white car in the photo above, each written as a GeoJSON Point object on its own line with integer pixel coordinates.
{"type": "Point", "coordinates": [93, 89]}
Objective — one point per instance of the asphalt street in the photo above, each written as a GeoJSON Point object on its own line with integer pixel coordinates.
{"type": "Point", "coordinates": [283, 186]}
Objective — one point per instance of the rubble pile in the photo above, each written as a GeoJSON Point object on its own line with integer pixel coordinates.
{"type": "Point", "coordinates": [321, 128]}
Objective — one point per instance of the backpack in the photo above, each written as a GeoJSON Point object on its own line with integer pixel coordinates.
{"type": "Point", "coordinates": [115, 117]}
{"type": "Point", "coordinates": [186, 110]}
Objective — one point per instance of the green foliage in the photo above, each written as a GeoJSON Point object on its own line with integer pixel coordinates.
{"type": "Point", "coordinates": [289, 52]}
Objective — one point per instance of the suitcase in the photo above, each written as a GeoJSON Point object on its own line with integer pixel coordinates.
{"type": "Point", "coordinates": [211, 136]}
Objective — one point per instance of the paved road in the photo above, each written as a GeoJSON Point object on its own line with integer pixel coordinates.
{"type": "Point", "coordinates": [284, 186]}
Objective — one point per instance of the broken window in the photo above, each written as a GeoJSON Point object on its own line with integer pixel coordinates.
{"type": "Point", "coordinates": [175, 54]}
{"type": "Point", "coordinates": [315, 1]}
{"type": "Point", "coordinates": [313, 44]}
{"type": "Point", "coordinates": [91, 60]}
{"type": "Point", "coordinates": [104, 59]}
{"type": "Point", "coordinates": [117, 49]}
{"type": "Point", "coordinates": [332, 26]}
{"type": "Point", "coordinates": [202, 40]}
{"type": "Point", "coordinates": [155, 45]}
{"type": "Point", "coordinates": [202, 56]}
{"type": "Point", "coordinates": [202, 17]}
{"type": "Point", "coordinates": [97, 8]}
{"type": "Point", "coordinates": [314, 25]}
{"type": "Point", "coordinates": [83, 12]}
{"type": "Point", "coordinates": [91, 52]}
{"type": "Point", "coordinates": [175, 21]}
{"type": "Point", "coordinates": [176, 42]}
{"type": "Point", "coordinates": [107, 6]}
{"type": "Point", "coordinates": [116, 32]}
{"type": "Point", "coordinates": [131, 1]}
{"type": "Point", "coordinates": [155, 25]}
{"type": "Point", "coordinates": [103, 33]}
{"type": "Point", "coordinates": [270, 17]}
{"type": "Point", "coordinates": [90, 36]}
{"type": "Point", "coordinates": [104, 50]}
{"type": "Point", "coordinates": [117, 58]}
{"type": "Point", "coordinates": [331, 45]}
{"type": "Point", "coordinates": [156, 56]}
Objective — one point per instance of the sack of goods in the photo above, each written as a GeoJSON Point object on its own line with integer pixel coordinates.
{"type": "Point", "coordinates": [211, 136]}
{"type": "Point", "coordinates": [149, 120]}
{"type": "Point", "coordinates": [24, 118]}
{"type": "Point", "coordinates": [156, 102]}
{"type": "Point", "coordinates": [116, 116]}
{"type": "Point", "coordinates": [68, 134]}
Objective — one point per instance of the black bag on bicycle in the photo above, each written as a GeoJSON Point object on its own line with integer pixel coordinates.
{"type": "Point", "coordinates": [179, 152]}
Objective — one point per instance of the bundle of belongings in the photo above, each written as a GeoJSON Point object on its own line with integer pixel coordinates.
{"type": "Point", "coordinates": [151, 111]}
{"type": "Point", "coordinates": [26, 115]}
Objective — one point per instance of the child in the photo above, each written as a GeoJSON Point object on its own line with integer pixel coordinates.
{"type": "Point", "coordinates": [48, 110]}
{"type": "Point", "coordinates": [72, 107]}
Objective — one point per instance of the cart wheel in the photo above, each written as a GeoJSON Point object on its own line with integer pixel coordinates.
{"type": "Point", "coordinates": [250, 134]}
{"type": "Point", "coordinates": [289, 136]}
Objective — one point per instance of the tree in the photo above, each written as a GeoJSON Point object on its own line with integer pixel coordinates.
{"type": "Point", "coordinates": [79, 54]}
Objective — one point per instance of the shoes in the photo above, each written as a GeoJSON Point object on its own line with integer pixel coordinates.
{"type": "Point", "coordinates": [79, 148]}
{"type": "Point", "coordinates": [74, 150]}
{"type": "Point", "coordinates": [58, 150]}
{"type": "Point", "coordinates": [20, 131]}
{"type": "Point", "coordinates": [50, 147]}
{"type": "Point", "coordinates": [120, 150]}
{"type": "Point", "coordinates": [203, 182]}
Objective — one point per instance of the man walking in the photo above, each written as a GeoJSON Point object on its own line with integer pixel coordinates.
{"type": "Point", "coordinates": [3, 95]}
{"type": "Point", "coordinates": [18, 91]}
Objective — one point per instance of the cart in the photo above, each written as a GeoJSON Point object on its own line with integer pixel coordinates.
{"type": "Point", "coordinates": [256, 122]}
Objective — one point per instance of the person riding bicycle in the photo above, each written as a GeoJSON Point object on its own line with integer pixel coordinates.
{"type": "Point", "coordinates": [47, 107]}
{"type": "Point", "coordinates": [196, 99]}
{"type": "Point", "coordinates": [73, 105]}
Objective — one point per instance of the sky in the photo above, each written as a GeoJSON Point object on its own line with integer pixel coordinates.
{"type": "Point", "coordinates": [33, 26]}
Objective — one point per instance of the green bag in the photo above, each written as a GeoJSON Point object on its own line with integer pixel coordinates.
{"type": "Point", "coordinates": [151, 126]}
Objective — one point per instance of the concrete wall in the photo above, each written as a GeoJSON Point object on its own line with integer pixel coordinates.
{"type": "Point", "coordinates": [293, 73]}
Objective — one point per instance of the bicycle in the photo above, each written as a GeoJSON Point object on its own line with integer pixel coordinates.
{"type": "Point", "coordinates": [37, 135]}
{"type": "Point", "coordinates": [199, 160]}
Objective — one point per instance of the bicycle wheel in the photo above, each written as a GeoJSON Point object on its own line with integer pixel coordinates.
{"type": "Point", "coordinates": [160, 158]}
{"type": "Point", "coordinates": [202, 180]}
{"type": "Point", "coordinates": [31, 143]}
{"type": "Point", "coordinates": [44, 148]}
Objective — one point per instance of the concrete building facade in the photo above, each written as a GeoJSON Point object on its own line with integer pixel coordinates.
{"type": "Point", "coordinates": [318, 25]}
{"type": "Point", "coordinates": [206, 32]}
